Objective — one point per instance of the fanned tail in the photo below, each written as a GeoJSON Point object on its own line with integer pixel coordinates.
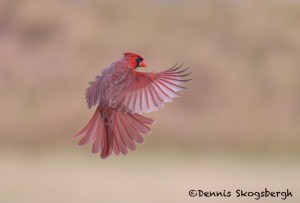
{"type": "Point", "coordinates": [121, 134]}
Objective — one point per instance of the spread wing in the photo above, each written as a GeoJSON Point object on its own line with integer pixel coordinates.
{"type": "Point", "coordinates": [149, 91]}
{"type": "Point", "coordinates": [92, 92]}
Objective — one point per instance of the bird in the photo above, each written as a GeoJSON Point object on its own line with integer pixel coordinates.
{"type": "Point", "coordinates": [121, 94]}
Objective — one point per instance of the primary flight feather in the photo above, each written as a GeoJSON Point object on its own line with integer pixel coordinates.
{"type": "Point", "coordinates": [121, 95]}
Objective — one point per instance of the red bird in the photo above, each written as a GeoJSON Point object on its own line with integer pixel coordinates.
{"type": "Point", "coordinates": [121, 95]}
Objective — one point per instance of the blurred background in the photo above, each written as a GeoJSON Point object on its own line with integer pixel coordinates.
{"type": "Point", "coordinates": [236, 127]}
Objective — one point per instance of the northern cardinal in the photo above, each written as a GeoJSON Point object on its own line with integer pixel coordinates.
{"type": "Point", "coordinates": [121, 94]}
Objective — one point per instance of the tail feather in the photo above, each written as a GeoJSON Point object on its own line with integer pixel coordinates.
{"type": "Point", "coordinates": [90, 134]}
{"type": "Point", "coordinates": [134, 134]}
{"type": "Point", "coordinates": [119, 139]}
{"type": "Point", "coordinates": [128, 141]}
{"type": "Point", "coordinates": [107, 146]}
{"type": "Point", "coordinates": [144, 120]}
{"type": "Point", "coordinates": [120, 136]}
{"type": "Point", "coordinates": [88, 126]}
{"type": "Point", "coordinates": [138, 125]}
{"type": "Point", "coordinates": [116, 149]}
{"type": "Point", "coordinates": [98, 141]}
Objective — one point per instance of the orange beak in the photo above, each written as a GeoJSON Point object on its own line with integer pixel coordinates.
{"type": "Point", "coordinates": [143, 64]}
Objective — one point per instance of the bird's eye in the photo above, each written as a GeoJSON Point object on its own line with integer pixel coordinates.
{"type": "Point", "coordinates": [139, 59]}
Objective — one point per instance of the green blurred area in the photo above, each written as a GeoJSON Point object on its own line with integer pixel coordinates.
{"type": "Point", "coordinates": [243, 104]}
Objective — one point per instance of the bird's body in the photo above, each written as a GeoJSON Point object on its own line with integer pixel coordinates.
{"type": "Point", "coordinates": [121, 94]}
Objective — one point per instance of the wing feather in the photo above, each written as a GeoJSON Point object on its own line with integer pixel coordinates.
{"type": "Point", "coordinates": [92, 92]}
{"type": "Point", "coordinates": [147, 92]}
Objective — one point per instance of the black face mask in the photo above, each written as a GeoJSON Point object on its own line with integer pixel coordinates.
{"type": "Point", "coordinates": [138, 60]}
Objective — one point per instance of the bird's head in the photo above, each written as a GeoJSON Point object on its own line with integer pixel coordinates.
{"type": "Point", "coordinates": [134, 60]}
